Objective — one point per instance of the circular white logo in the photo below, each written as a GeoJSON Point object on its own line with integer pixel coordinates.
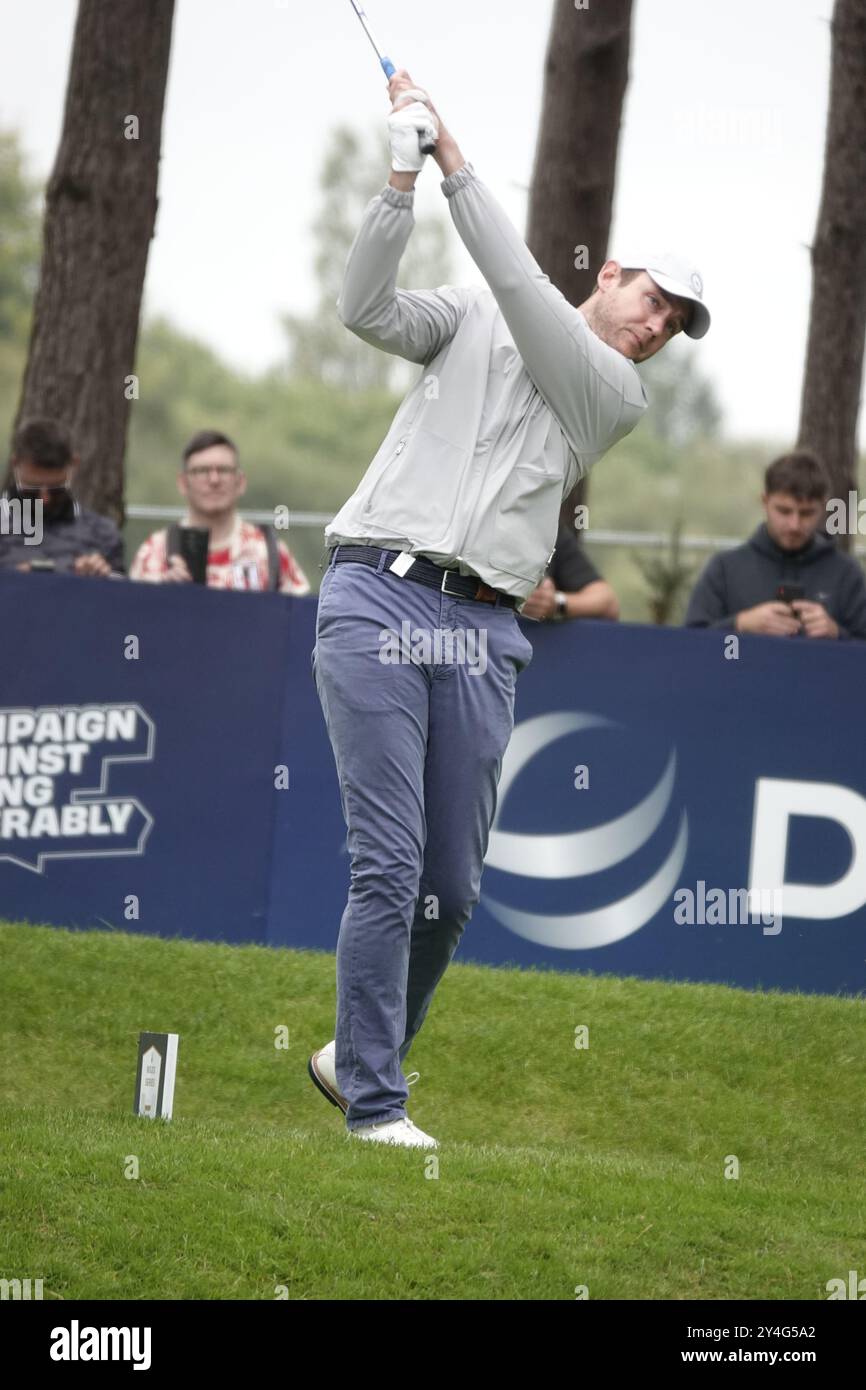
{"type": "Point", "coordinates": [697, 283]}
{"type": "Point", "coordinates": [584, 851]}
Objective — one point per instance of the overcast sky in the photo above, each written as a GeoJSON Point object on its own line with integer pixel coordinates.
{"type": "Point", "coordinates": [721, 153]}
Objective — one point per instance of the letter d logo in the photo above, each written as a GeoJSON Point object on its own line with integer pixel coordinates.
{"type": "Point", "coordinates": [775, 802]}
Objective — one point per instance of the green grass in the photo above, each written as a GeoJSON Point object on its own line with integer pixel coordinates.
{"type": "Point", "coordinates": [602, 1167]}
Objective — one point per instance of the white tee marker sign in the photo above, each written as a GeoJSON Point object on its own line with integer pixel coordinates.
{"type": "Point", "coordinates": [154, 1079]}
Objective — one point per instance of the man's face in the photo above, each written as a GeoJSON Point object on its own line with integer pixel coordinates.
{"type": "Point", "coordinates": [212, 480]}
{"type": "Point", "coordinates": [50, 486]}
{"type": "Point", "coordinates": [638, 318]}
{"type": "Point", "coordinates": [791, 521]}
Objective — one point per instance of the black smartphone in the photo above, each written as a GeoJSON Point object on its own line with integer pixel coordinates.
{"type": "Point", "coordinates": [194, 544]}
{"type": "Point", "coordinates": [789, 593]}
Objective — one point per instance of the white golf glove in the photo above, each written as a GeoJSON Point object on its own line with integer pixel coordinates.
{"type": "Point", "coordinates": [409, 125]}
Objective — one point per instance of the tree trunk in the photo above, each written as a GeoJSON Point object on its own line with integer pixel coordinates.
{"type": "Point", "coordinates": [571, 199]}
{"type": "Point", "coordinates": [837, 321]}
{"type": "Point", "coordinates": [100, 211]}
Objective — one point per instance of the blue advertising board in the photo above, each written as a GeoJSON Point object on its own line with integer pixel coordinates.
{"type": "Point", "coordinates": [672, 805]}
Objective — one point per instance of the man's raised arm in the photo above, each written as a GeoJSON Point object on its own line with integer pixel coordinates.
{"type": "Point", "coordinates": [411, 324]}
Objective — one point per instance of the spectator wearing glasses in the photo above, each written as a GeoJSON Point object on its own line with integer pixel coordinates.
{"type": "Point", "coordinates": [241, 555]}
{"type": "Point", "coordinates": [42, 524]}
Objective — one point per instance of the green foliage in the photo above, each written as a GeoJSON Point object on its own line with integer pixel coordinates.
{"type": "Point", "coordinates": [20, 244]}
{"type": "Point", "coordinates": [667, 576]}
{"type": "Point", "coordinates": [19, 240]}
{"type": "Point", "coordinates": [299, 440]}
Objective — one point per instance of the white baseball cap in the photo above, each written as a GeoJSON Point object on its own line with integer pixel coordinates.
{"type": "Point", "coordinates": [675, 275]}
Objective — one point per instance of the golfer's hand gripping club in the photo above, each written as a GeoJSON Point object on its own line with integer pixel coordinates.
{"type": "Point", "coordinates": [413, 128]}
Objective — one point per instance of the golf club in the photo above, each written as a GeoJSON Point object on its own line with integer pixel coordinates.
{"type": "Point", "coordinates": [426, 146]}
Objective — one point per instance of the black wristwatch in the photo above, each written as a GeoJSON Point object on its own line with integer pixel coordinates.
{"type": "Point", "coordinates": [561, 606]}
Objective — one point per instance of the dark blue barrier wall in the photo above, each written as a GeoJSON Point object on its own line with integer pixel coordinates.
{"type": "Point", "coordinates": [166, 713]}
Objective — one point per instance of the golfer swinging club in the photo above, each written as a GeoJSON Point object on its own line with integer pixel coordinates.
{"type": "Point", "coordinates": [449, 531]}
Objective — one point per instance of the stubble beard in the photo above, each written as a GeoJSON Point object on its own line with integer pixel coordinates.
{"type": "Point", "coordinates": [604, 326]}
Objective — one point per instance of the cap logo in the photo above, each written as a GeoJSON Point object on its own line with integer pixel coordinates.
{"type": "Point", "coordinates": [697, 283]}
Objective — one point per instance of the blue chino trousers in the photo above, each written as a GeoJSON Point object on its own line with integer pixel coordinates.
{"type": "Point", "coordinates": [418, 742]}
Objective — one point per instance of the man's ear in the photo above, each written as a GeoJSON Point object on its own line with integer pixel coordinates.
{"type": "Point", "coordinates": [242, 482]}
{"type": "Point", "coordinates": [181, 484]}
{"type": "Point", "coordinates": [608, 275]}
{"type": "Point", "coordinates": [74, 464]}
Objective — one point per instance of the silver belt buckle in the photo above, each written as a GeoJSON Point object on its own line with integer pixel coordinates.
{"type": "Point", "coordinates": [443, 586]}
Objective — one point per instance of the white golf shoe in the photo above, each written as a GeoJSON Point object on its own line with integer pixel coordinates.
{"type": "Point", "coordinates": [401, 1132]}
{"type": "Point", "coordinates": [323, 1073]}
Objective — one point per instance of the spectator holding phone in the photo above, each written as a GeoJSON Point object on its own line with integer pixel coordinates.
{"type": "Point", "coordinates": [213, 545]}
{"type": "Point", "coordinates": [61, 534]}
{"type": "Point", "coordinates": [788, 579]}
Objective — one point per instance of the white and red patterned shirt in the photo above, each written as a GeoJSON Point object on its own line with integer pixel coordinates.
{"type": "Point", "coordinates": [241, 562]}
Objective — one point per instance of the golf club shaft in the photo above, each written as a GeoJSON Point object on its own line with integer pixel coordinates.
{"type": "Point", "coordinates": [387, 66]}
{"type": "Point", "coordinates": [425, 146]}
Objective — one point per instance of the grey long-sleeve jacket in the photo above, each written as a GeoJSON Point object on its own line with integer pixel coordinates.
{"type": "Point", "coordinates": [517, 398]}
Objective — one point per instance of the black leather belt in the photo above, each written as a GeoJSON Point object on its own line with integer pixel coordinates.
{"type": "Point", "coordinates": [424, 571]}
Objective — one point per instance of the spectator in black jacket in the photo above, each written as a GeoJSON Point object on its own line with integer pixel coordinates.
{"type": "Point", "coordinates": [788, 579]}
{"type": "Point", "coordinates": [60, 534]}
{"type": "Point", "coordinates": [572, 587]}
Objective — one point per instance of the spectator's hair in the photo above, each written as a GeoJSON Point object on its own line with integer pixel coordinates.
{"type": "Point", "coordinates": [800, 473]}
{"type": "Point", "coordinates": [206, 439]}
{"type": "Point", "coordinates": [45, 442]}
